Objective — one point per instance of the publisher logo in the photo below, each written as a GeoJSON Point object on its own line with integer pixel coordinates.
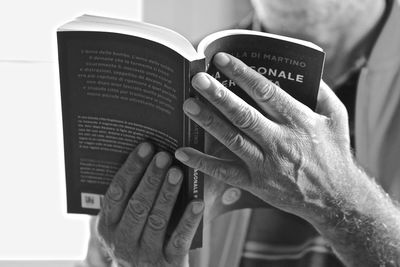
{"type": "Point", "coordinates": [231, 195]}
{"type": "Point", "coordinates": [91, 201]}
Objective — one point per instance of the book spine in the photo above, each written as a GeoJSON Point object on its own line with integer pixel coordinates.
{"type": "Point", "coordinates": [195, 137]}
{"type": "Point", "coordinates": [66, 118]}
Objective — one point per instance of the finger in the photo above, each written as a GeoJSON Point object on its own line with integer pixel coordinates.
{"type": "Point", "coordinates": [181, 239]}
{"type": "Point", "coordinates": [155, 229]}
{"type": "Point", "coordinates": [125, 180]}
{"type": "Point", "coordinates": [141, 201]}
{"type": "Point", "coordinates": [272, 99]}
{"type": "Point", "coordinates": [228, 171]}
{"type": "Point", "coordinates": [329, 105]}
{"type": "Point", "coordinates": [223, 131]}
{"type": "Point", "coordinates": [243, 116]}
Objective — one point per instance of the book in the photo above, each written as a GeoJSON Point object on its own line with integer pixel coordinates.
{"type": "Point", "coordinates": [123, 82]}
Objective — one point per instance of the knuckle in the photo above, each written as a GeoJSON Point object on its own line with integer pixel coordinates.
{"type": "Point", "coordinates": [264, 91]}
{"type": "Point", "coordinates": [219, 172]}
{"type": "Point", "coordinates": [180, 243]}
{"type": "Point", "coordinates": [120, 179]}
{"type": "Point", "coordinates": [310, 122]}
{"type": "Point", "coordinates": [221, 96]}
{"type": "Point", "coordinates": [157, 221]}
{"type": "Point", "coordinates": [137, 210]}
{"type": "Point", "coordinates": [292, 150]}
{"type": "Point", "coordinates": [166, 197]}
{"type": "Point", "coordinates": [239, 70]}
{"type": "Point", "coordinates": [152, 181]}
{"type": "Point", "coordinates": [288, 110]}
{"type": "Point", "coordinates": [201, 164]}
{"type": "Point", "coordinates": [116, 190]}
{"type": "Point", "coordinates": [182, 238]}
{"type": "Point", "coordinates": [254, 83]}
{"type": "Point", "coordinates": [208, 120]}
{"type": "Point", "coordinates": [132, 167]}
{"type": "Point", "coordinates": [109, 213]}
{"type": "Point", "coordinates": [245, 118]}
{"type": "Point", "coordinates": [233, 174]}
{"type": "Point", "coordinates": [188, 225]}
{"type": "Point", "coordinates": [234, 140]}
{"type": "Point", "coordinates": [249, 76]}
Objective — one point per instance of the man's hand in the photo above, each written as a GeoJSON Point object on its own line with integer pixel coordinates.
{"type": "Point", "coordinates": [137, 208]}
{"type": "Point", "coordinates": [297, 160]}
{"type": "Point", "coordinates": [292, 158]}
{"type": "Point", "coordinates": [216, 190]}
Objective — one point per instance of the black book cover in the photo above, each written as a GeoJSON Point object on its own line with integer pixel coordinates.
{"type": "Point", "coordinates": [117, 91]}
{"type": "Point", "coordinates": [294, 67]}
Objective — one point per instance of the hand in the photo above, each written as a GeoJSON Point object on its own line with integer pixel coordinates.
{"type": "Point", "coordinates": [292, 158]}
{"type": "Point", "coordinates": [215, 189]}
{"type": "Point", "coordinates": [96, 255]}
{"type": "Point", "coordinates": [137, 208]}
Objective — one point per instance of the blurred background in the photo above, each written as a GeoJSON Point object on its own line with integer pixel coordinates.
{"type": "Point", "coordinates": [34, 226]}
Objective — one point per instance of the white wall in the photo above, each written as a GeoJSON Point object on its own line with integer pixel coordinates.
{"type": "Point", "coordinates": [195, 18]}
{"type": "Point", "coordinates": [33, 220]}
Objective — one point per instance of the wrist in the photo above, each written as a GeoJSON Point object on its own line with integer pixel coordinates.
{"type": "Point", "coordinates": [335, 188]}
{"type": "Point", "coordinates": [362, 223]}
{"type": "Point", "coordinates": [352, 194]}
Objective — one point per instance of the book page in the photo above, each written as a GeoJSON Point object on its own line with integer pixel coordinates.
{"type": "Point", "coordinates": [151, 32]}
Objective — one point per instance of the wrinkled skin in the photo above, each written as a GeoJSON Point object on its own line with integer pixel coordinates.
{"type": "Point", "coordinates": [137, 208]}
{"type": "Point", "coordinates": [280, 159]}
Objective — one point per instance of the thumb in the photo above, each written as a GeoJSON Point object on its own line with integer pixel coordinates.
{"type": "Point", "coordinates": [329, 105]}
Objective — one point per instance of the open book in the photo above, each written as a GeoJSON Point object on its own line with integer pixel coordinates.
{"type": "Point", "coordinates": [123, 82]}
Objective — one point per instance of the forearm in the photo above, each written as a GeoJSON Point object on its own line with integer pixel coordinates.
{"type": "Point", "coordinates": [363, 225]}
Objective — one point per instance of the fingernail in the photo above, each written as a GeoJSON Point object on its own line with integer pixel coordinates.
{"type": "Point", "coordinates": [191, 106]}
{"type": "Point", "coordinates": [174, 176]}
{"type": "Point", "coordinates": [144, 150]}
{"type": "Point", "coordinates": [221, 59]}
{"type": "Point", "coordinates": [201, 81]}
{"type": "Point", "coordinates": [197, 207]}
{"type": "Point", "coordinates": [181, 156]}
{"type": "Point", "coordinates": [162, 160]}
